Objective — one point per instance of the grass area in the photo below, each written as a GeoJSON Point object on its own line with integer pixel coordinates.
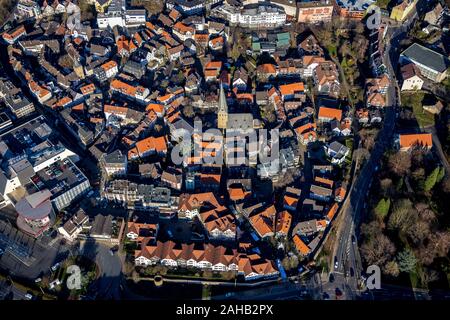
{"type": "Point", "coordinates": [206, 292]}
{"type": "Point", "coordinates": [414, 101]}
{"type": "Point", "coordinates": [424, 118]}
{"type": "Point", "coordinates": [332, 50]}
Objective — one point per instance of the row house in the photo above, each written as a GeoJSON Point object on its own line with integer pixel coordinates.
{"type": "Point", "coordinates": [219, 223]}
{"type": "Point", "coordinates": [134, 92]}
{"type": "Point", "coordinates": [283, 224]}
{"type": "Point", "coordinates": [142, 232]}
{"type": "Point", "coordinates": [263, 222]}
{"type": "Point", "coordinates": [190, 204]}
{"type": "Point", "coordinates": [148, 146]}
{"type": "Point", "coordinates": [325, 114]}
{"type": "Point", "coordinates": [199, 255]}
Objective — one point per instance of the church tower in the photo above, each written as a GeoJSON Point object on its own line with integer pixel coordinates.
{"type": "Point", "coordinates": [222, 114]}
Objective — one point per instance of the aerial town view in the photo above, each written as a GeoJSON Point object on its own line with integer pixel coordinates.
{"type": "Point", "coordinates": [224, 150]}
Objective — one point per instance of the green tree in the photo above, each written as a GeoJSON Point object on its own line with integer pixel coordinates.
{"type": "Point", "coordinates": [402, 216]}
{"type": "Point", "coordinates": [382, 208]}
{"type": "Point", "coordinates": [440, 175]}
{"type": "Point", "coordinates": [406, 261]}
{"type": "Point", "coordinates": [431, 180]}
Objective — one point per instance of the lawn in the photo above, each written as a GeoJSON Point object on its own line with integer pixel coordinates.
{"type": "Point", "coordinates": [424, 118]}
{"type": "Point", "coordinates": [414, 100]}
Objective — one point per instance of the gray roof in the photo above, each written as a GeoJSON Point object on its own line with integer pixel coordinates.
{"type": "Point", "coordinates": [114, 157]}
{"type": "Point", "coordinates": [420, 54]}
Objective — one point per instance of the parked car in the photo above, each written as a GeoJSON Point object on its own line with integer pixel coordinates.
{"type": "Point", "coordinates": [55, 266]}
{"type": "Point", "coordinates": [28, 296]}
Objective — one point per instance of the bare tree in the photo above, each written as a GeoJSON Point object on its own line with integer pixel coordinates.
{"type": "Point", "coordinates": [403, 215]}
{"type": "Point", "coordinates": [399, 163]}
{"type": "Point", "coordinates": [391, 268]}
{"type": "Point", "coordinates": [418, 232]}
{"type": "Point", "coordinates": [378, 250]}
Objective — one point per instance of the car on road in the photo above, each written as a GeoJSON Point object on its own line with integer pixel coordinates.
{"type": "Point", "coordinates": [352, 272]}
{"type": "Point", "coordinates": [37, 280]}
{"type": "Point", "coordinates": [55, 266]}
{"type": "Point", "coordinates": [338, 292]}
{"type": "Point", "coordinates": [326, 296]}
{"type": "Point", "coordinates": [28, 296]}
{"type": "Point", "coordinates": [336, 263]}
{"type": "Point", "coordinates": [331, 278]}
{"type": "Point", "coordinates": [353, 239]}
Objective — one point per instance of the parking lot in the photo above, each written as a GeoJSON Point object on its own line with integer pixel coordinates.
{"type": "Point", "coordinates": [25, 256]}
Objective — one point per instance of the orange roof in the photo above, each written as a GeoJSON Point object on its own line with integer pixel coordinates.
{"type": "Point", "coordinates": [332, 211]}
{"type": "Point", "coordinates": [328, 182]}
{"type": "Point", "coordinates": [210, 73]}
{"type": "Point", "coordinates": [290, 201]}
{"type": "Point", "coordinates": [138, 38]}
{"type": "Point", "coordinates": [340, 192]}
{"type": "Point", "coordinates": [289, 89]}
{"type": "Point", "coordinates": [87, 89]}
{"type": "Point", "coordinates": [115, 109]}
{"type": "Point", "coordinates": [216, 41]}
{"type": "Point", "coordinates": [214, 65]}
{"type": "Point", "coordinates": [244, 96]}
{"type": "Point", "coordinates": [63, 101]}
{"type": "Point", "coordinates": [201, 37]}
{"type": "Point", "coordinates": [165, 97]}
{"type": "Point", "coordinates": [237, 193]}
{"type": "Point", "coordinates": [78, 107]}
{"type": "Point", "coordinates": [96, 120]}
{"type": "Point", "coordinates": [123, 87]}
{"type": "Point", "coordinates": [263, 222]}
{"type": "Point", "coordinates": [330, 113]}
{"type": "Point", "coordinates": [210, 178]}
{"type": "Point", "coordinates": [182, 28]}
{"type": "Point", "coordinates": [267, 68]}
{"type": "Point", "coordinates": [78, 41]}
{"type": "Point", "coordinates": [151, 143]}
{"type": "Point", "coordinates": [321, 224]}
{"type": "Point", "coordinates": [14, 33]}
{"type": "Point", "coordinates": [155, 107]}
{"type": "Point", "coordinates": [305, 128]}
{"type": "Point", "coordinates": [302, 248]}
{"type": "Point", "coordinates": [133, 153]}
{"type": "Point", "coordinates": [410, 140]}
{"type": "Point", "coordinates": [284, 222]}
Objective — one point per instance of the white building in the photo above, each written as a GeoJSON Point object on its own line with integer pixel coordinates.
{"type": "Point", "coordinates": [118, 15]}
{"type": "Point", "coordinates": [256, 15]}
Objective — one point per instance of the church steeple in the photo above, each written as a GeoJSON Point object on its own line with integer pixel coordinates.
{"type": "Point", "coordinates": [222, 100]}
{"type": "Point", "coordinates": [222, 115]}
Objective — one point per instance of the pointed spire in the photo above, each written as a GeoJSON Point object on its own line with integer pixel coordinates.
{"type": "Point", "coordinates": [222, 99]}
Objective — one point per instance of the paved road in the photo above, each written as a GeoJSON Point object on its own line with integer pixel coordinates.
{"type": "Point", "coordinates": [346, 256]}
{"type": "Point", "coordinates": [110, 279]}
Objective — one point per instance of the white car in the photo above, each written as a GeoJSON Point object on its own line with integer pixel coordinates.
{"type": "Point", "coordinates": [28, 296]}
{"type": "Point", "coordinates": [55, 267]}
